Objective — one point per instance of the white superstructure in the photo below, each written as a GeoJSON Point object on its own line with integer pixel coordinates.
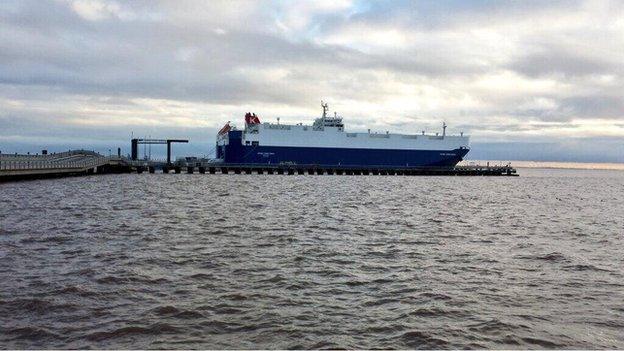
{"type": "Point", "coordinates": [328, 132]}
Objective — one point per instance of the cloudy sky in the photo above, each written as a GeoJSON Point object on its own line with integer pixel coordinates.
{"type": "Point", "coordinates": [539, 80]}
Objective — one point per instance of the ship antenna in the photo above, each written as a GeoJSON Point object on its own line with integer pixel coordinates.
{"type": "Point", "coordinates": [324, 106]}
{"type": "Point", "coordinates": [443, 128]}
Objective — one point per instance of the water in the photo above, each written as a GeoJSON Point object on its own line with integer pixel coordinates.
{"type": "Point", "coordinates": [248, 261]}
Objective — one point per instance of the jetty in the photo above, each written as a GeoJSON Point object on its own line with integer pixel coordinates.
{"type": "Point", "coordinates": [288, 169]}
{"type": "Point", "coordinates": [63, 164]}
{"type": "Point", "coordinates": [15, 167]}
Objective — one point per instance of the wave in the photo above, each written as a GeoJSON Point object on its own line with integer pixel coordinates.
{"type": "Point", "coordinates": [435, 296]}
{"type": "Point", "coordinates": [437, 312]}
{"type": "Point", "coordinates": [379, 302]}
{"type": "Point", "coordinates": [553, 257]}
{"type": "Point", "coordinates": [37, 305]}
{"type": "Point", "coordinates": [584, 267]}
{"type": "Point", "coordinates": [155, 329]}
{"type": "Point", "coordinates": [172, 311]}
{"type": "Point", "coordinates": [75, 290]}
{"type": "Point", "coordinates": [119, 280]}
{"type": "Point", "coordinates": [496, 326]}
{"type": "Point", "coordinates": [201, 276]}
{"type": "Point", "coordinates": [542, 342]}
{"type": "Point", "coordinates": [29, 333]}
{"type": "Point", "coordinates": [422, 340]}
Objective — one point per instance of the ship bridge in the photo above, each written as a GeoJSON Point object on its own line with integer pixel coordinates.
{"type": "Point", "coordinates": [325, 121]}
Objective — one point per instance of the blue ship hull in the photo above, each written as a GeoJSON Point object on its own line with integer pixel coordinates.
{"type": "Point", "coordinates": [236, 153]}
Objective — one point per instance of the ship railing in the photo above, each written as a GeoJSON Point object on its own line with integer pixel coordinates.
{"type": "Point", "coordinates": [279, 126]}
{"type": "Point", "coordinates": [373, 135]}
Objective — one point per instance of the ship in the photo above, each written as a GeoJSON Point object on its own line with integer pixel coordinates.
{"type": "Point", "coordinates": [326, 143]}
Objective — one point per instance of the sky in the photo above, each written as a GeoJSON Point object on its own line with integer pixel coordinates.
{"type": "Point", "coordinates": [527, 80]}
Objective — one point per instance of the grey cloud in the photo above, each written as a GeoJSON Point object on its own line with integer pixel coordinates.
{"type": "Point", "coordinates": [553, 61]}
{"type": "Point", "coordinates": [575, 150]}
{"type": "Point", "coordinates": [515, 127]}
{"type": "Point", "coordinates": [49, 53]}
{"type": "Point", "coordinates": [139, 59]}
{"type": "Point", "coordinates": [445, 14]}
{"type": "Point", "coordinates": [46, 132]}
{"type": "Point", "coordinates": [121, 60]}
{"type": "Point", "coordinates": [601, 106]}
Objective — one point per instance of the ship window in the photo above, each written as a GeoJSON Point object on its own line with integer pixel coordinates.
{"type": "Point", "coordinates": [247, 142]}
{"type": "Point", "coordinates": [255, 143]}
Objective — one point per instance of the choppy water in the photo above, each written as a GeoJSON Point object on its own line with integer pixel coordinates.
{"type": "Point", "coordinates": [247, 261]}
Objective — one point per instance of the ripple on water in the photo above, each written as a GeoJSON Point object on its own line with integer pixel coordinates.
{"type": "Point", "coordinates": [422, 340]}
{"type": "Point", "coordinates": [130, 331]}
{"type": "Point", "coordinates": [202, 261]}
{"type": "Point", "coordinates": [171, 311]}
{"type": "Point", "coordinates": [29, 333]}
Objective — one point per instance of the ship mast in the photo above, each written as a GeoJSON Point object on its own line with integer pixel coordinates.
{"type": "Point", "coordinates": [325, 108]}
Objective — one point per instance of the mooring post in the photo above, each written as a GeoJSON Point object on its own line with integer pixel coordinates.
{"type": "Point", "coordinates": [168, 152]}
{"type": "Point", "coordinates": [134, 149]}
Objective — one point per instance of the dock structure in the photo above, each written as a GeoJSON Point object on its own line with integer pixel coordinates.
{"type": "Point", "coordinates": [82, 162]}
{"type": "Point", "coordinates": [506, 170]}
{"type": "Point", "coordinates": [134, 146]}
{"type": "Point", "coordinates": [63, 164]}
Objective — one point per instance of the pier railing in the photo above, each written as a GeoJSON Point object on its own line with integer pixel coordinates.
{"type": "Point", "coordinates": [65, 160]}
